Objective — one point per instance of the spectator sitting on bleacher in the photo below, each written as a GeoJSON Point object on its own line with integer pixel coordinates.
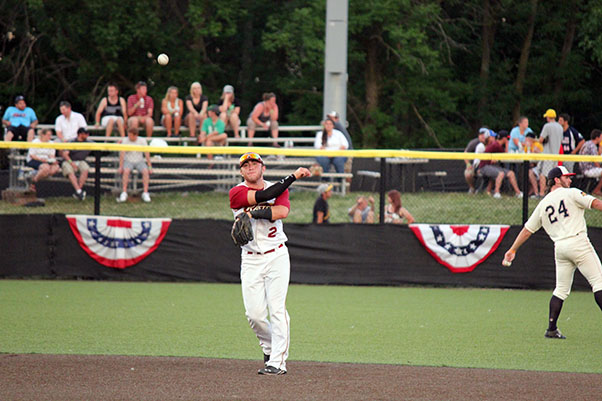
{"type": "Point", "coordinates": [476, 145]}
{"type": "Point", "coordinates": [20, 121]}
{"type": "Point", "coordinates": [265, 115]}
{"type": "Point", "coordinates": [67, 124]}
{"type": "Point", "coordinates": [196, 108]}
{"type": "Point", "coordinates": [172, 108]}
{"type": "Point", "coordinates": [362, 212]}
{"type": "Point", "coordinates": [492, 169]}
{"type": "Point", "coordinates": [42, 160]}
{"type": "Point", "coordinates": [334, 117]}
{"type": "Point", "coordinates": [75, 161]}
{"type": "Point", "coordinates": [532, 145]}
{"type": "Point", "coordinates": [592, 169]}
{"type": "Point", "coordinates": [395, 213]}
{"type": "Point", "coordinates": [213, 129]}
{"type": "Point", "coordinates": [229, 108]}
{"type": "Point", "coordinates": [140, 109]}
{"type": "Point", "coordinates": [112, 111]}
{"type": "Point", "coordinates": [130, 160]}
{"type": "Point", "coordinates": [331, 139]}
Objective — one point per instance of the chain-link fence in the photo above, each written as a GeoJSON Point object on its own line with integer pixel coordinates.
{"type": "Point", "coordinates": [191, 182]}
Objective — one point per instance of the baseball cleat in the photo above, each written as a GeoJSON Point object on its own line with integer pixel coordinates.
{"type": "Point", "coordinates": [554, 334]}
{"type": "Point", "coordinates": [270, 370]}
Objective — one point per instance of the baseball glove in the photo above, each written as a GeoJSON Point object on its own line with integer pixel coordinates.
{"type": "Point", "coordinates": [242, 230]}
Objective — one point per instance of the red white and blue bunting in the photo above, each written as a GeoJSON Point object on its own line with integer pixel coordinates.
{"type": "Point", "coordinates": [460, 247]}
{"type": "Point", "coordinates": [118, 242]}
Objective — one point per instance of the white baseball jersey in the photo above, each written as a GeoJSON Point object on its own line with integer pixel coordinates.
{"type": "Point", "coordinates": [561, 213]}
{"type": "Point", "coordinates": [267, 235]}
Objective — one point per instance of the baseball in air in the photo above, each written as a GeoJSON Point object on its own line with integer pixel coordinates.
{"type": "Point", "coordinates": [162, 59]}
{"type": "Point", "coordinates": [506, 263]}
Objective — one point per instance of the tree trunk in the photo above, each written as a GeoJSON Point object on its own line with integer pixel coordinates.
{"type": "Point", "coordinates": [522, 64]}
{"type": "Point", "coordinates": [372, 78]}
{"type": "Point", "coordinates": [567, 47]}
{"type": "Point", "coordinates": [487, 37]}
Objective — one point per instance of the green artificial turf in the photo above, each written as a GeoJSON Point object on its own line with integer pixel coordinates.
{"type": "Point", "coordinates": [482, 328]}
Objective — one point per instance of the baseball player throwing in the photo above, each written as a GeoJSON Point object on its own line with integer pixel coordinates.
{"type": "Point", "coordinates": [560, 213]}
{"type": "Point", "coordinates": [265, 264]}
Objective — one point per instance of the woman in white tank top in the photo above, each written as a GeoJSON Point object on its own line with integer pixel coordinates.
{"type": "Point", "coordinates": [171, 108]}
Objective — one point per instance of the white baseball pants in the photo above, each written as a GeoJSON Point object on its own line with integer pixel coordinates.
{"type": "Point", "coordinates": [265, 280]}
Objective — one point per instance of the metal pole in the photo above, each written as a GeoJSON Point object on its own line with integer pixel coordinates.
{"type": "Point", "coordinates": [526, 166]}
{"type": "Point", "coordinates": [383, 184]}
{"type": "Point", "coordinates": [97, 183]}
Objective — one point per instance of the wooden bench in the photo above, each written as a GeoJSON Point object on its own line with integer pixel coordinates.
{"type": "Point", "coordinates": [221, 172]}
{"type": "Point", "coordinates": [428, 175]}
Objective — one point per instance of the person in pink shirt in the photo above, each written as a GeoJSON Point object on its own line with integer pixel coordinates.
{"type": "Point", "coordinates": [140, 109]}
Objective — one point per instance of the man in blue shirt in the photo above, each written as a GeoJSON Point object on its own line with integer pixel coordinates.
{"type": "Point", "coordinates": [20, 121]}
{"type": "Point", "coordinates": [518, 135]}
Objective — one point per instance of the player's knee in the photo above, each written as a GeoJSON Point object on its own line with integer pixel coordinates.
{"type": "Point", "coordinates": [255, 316]}
{"type": "Point", "coordinates": [562, 292]}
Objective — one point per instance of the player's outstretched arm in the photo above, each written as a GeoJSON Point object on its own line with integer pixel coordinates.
{"type": "Point", "coordinates": [255, 197]}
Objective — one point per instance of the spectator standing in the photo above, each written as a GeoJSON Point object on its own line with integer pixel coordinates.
{"type": "Point", "coordinates": [67, 124]}
{"type": "Point", "coordinates": [491, 169]}
{"type": "Point", "coordinates": [572, 140]}
{"type": "Point", "coordinates": [532, 145]}
{"type": "Point", "coordinates": [476, 145]}
{"type": "Point", "coordinates": [74, 161]}
{"type": "Point", "coordinates": [331, 139]}
{"type": "Point", "coordinates": [213, 130]}
{"type": "Point", "coordinates": [592, 169]}
{"type": "Point", "coordinates": [334, 117]}
{"type": "Point", "coordinates": [42, 160]}
{"type": "Point", "coordinates": [264, 115]}
{"type": "Point", "coordinates": [518, 135]}
{"type": "Point", "coordinates": [20, 121]}
{"type": "Point", "coordinates": [363, 210]}
{"type": "Point", "coordinates": [112, 111]}
{"type": "Point", "coordinates": [321, 210]}
{"type": "Point", "coordinates": [229, 108]}
{"type": "Point", "coordinates": [551, 138]}
{"type": "Point", "coordinates": [171, 108]}
{"type": "Point", "coordinates": [395, 213]}
{"type": "Point", "coordinates": [131, 160]}
{"type": "Point", "coordinates": [196, 108]}
{"type": "Point", "coordinates": [140, 109]}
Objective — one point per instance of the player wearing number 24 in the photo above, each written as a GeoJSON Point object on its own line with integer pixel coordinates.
{"type": "Point", "coordinates": [561, 214]}
{"type": "Point", "coordinates": [265, 264]}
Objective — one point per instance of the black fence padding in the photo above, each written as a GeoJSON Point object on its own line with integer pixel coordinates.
{"type": "Point", "coordinates": [43, 246]}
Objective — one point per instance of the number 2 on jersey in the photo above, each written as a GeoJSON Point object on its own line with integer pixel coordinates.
{"type": "Point", "coordinates": [561, 210]}
{"type": "Point", "coordinates": [272, 232]}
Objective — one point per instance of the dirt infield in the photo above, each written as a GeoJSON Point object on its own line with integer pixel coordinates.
{"type": "Point", "coordinates": [88, 377]}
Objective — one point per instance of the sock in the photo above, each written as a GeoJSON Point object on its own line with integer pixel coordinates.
{"type": "Point", "coordinates": [555, 308]}
{"type": "Point", "coordinates": [598, 297]}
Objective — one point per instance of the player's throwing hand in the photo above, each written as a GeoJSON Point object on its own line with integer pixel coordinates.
{"type": "Point", "coordinates": [509, 257]}
{"type": "Point", "coordinates": [302, 172]}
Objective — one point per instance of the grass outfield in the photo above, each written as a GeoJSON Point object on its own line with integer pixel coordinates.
{"type": "Point", "coordinates": [481, 328]}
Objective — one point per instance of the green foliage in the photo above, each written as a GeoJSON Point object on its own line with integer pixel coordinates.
{"type": "Point", "coordinates": [415, 67]}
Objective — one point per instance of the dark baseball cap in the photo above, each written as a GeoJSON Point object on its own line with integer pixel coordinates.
{"type": "Point", "coordinates": [214, 108]}
{"type": "Point", "coordinates": [558, 172]}
{"type": "Point", "coordinates": [83, 130]}
{"type": "Point", "coordinates": [247, 157]}
{"type": "Point", "coordinates": [18, 98]}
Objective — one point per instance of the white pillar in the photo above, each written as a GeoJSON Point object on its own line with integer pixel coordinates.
{"type": "Point", "coordinates": [335, 59]}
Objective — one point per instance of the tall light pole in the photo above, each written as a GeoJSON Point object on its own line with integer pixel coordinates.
{"type": "Point", "coordinates": [335, 59]}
